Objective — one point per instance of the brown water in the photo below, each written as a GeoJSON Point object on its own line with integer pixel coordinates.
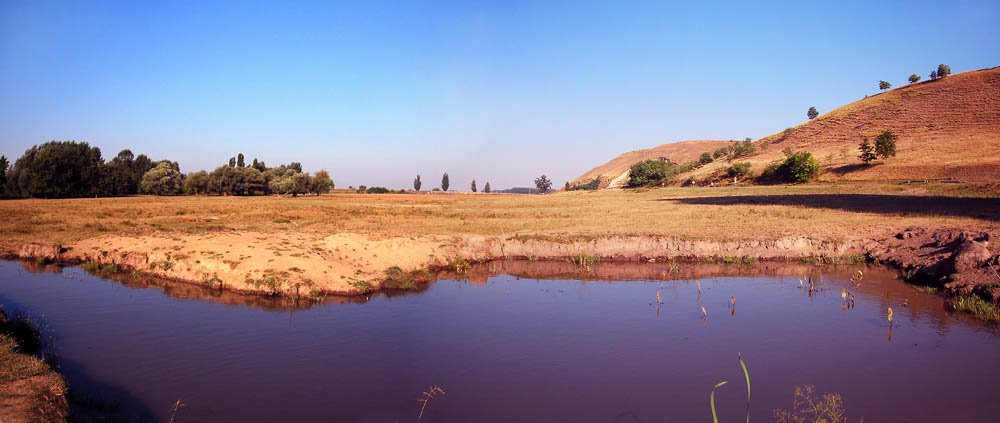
{"type": "Point", "coordinates": [509, 348]}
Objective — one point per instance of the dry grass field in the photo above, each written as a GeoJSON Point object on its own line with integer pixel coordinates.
{"type": "Point", "coordinates": [344, 242]}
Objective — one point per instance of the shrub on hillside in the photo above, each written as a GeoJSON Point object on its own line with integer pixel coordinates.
{"type": "Point", "coordinates": [705, 158]}
{"type": "Point", "coordinates": [812, 113]}
{"type": "Point", "coordinates": [884, 85]}
{"type": "Point", "coordinates": [648, 173]}
{"type": "Point", "coordinates": [739, 170]}
{"type": "Point", "coordinates": [589, 186]}
{"type": "Point", "coordinates": [797, 168]}
{"type": "Point", "coordinates": [914, 78]}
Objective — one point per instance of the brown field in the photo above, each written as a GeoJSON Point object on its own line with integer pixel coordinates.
{"type": "Point", "coordinates": [948, 128]}
{"type": "Point", "coordinates": [344, 242]}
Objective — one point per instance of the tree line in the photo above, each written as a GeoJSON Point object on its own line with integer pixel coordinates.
{"type": "Point", "coordinates": [70, 169]}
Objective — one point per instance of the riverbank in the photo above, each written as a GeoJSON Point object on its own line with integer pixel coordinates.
{"type": "Point", "coordinates": [30, 390]}
{"type": "Point", "coordinates": [346, 243]}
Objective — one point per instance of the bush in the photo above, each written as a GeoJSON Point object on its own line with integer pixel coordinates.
{"type": "Point", "coordinates": [739, 170]}
{"type": "Point", "coordinates": [705, 158]}
{"type": "Point", "coordinates": [914, 78]}
{"type": "Point", "coordinates": [812, 113]}
{"type": "Point", "coordinates": [797, 168]}
{"type": "Point", "coordinates": [648, 173]}
{"type": "Point", "coordinates": [883, 85]}
{"type": "Point", "coordinates": [589, 186]}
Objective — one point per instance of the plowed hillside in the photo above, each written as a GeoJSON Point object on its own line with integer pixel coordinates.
{"type": "Point", "coordinates": [614, 173]}
{"type": "Point", "coordinates": [947, 128]}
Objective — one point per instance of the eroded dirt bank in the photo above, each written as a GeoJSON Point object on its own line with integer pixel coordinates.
{"type": "Point", "coordinates": [306, 264]}
{"type": "Point", "coordinates": [30, 390]}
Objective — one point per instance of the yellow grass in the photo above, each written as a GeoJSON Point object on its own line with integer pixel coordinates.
{"type": "Point", "coordinates": [341, 241]}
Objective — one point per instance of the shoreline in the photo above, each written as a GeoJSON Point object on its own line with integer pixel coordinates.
{"type": "Point", "coordinates": [952, 260]}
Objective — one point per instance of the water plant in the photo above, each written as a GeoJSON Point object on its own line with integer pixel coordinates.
{"type": "Point", "coordinates": [426, 396]}
{"type": "Point", "coordinates": [711, 400]}
{"type": "Point", "coordinates": [583, 260]}
{"type": "Point", "coordinates": [975, 306]}
{"type": "Point", "coordinates": [807, 406]}
{"type": "Point", "coordinates": [746, 374]}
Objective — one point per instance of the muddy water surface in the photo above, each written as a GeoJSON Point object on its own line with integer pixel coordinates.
{"type": "Point", "coordinates": [587, 346]}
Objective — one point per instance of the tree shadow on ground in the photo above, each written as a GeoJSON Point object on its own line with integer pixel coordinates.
{"type": "Point", "coordinates": [976, 208]}
{"type": "Point", "coordinates": [848, 168]}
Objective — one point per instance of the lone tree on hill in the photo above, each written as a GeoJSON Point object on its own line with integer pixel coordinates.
{"type": "Point", "coordinates": [543, 184]}
{"type": "Point", "coordinates": [914, 78]}
{"type": "Point", "coordinates": [444, 182]}
{"type": "Point", "coordinates": [943, 70]}
{"type": "Point", "coordinates": [867, 151]}
{"type": "Point", "coordinates": [883, 85]}
{"type": "Point", "coordinates": [416, 183]}
{"type": "Point", "coordinates": [885, 144]}
{"type": "Point", "coordinates": [812, 113]}
{"type": "Point", "coordinates": [473, 187]}
{"type": "Point", "coordinates": [933, 75]}
{"type": "Point", "coordinates": [486, 188]}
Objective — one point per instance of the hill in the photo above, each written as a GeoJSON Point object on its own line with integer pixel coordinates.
{"type": "Point", "coordinates": [615, 172]}
{"type": "Point", "coordinates": [948, 129]}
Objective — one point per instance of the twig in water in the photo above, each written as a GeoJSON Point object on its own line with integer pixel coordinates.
{"type": "Point", "coordinates": [175, 409]}
{"type": "Point", "coordinates": [426, 397]}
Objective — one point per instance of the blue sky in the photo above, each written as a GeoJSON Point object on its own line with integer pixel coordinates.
{"type": "Point", "coordinates": [504, 91]}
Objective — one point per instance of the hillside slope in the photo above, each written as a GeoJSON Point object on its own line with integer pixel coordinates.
{"type": "Point", "coordinates": [948, 128]}
{"type": "Point", "coordinates": [614, 173]}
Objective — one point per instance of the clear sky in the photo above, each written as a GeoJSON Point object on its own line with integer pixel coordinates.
{"type": "Point", "coordinates": [503, 91]}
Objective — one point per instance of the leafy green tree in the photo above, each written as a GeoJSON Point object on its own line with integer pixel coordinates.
{"type": "Point", "coordinates": [163, 179]}
{"type": "Point", "coordinates": [883, 85]}
{"type": "Point", "coordinates": [57, 169]}
{"type": "Point", "coordinates": [867, 154]}
{"type": "Point", "coordinates": [812, 113]}
{"type": "Point", "coordinates": [648, 173]}
{"type": "Point", "coordinates": [943, 70]}
{"type": "Point", "coordinates": [296, 166]}
{"type": "Point", "coordinates": [473, 187]}
{"type": "Point", "coordinates": [705, 158]}
{"type": "Point", "coordinates": [543, 184]}
{"type": "Point", "coordinates": [933, 75]}
{"type": "Point", "coordinates": [196, 183]}
{"type": "Point", "coordinates": [444, 182]}
{"type": "Point", "coordinates": [885, 144]}
{"type": "Point", "coordinates": [417, 183]}
{"type": "Point", "coordinates": [486, 188]}
{"type": "Point", "coordinates": [914, 78]}
{"type": "Point", "coordinates": [232, 162]}
{"type": "Point", "coordinates": [321, 183]}
{"type": "Point", "coordinates": [259, 165]}
{"type": "Point", "coordinates": [240, 160]}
